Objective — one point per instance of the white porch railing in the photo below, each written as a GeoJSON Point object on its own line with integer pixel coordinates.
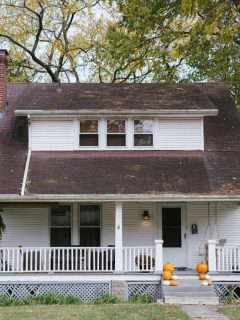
{"type": "Point", "coordinates": [80, 259]}
{"type": "Point", "coordinates": [138, 259]}
{"type": "Point", "coordinates": [64, 259]}
{"type": "Point", "coordinates": [227, 258]}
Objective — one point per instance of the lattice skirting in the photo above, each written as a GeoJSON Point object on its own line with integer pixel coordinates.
{"type": "Point", "coordinates": [86, 291]}
{"type": "Point", "coordinates": [150, 287]}
{"type": "Point", "coordinates": [227, 291]}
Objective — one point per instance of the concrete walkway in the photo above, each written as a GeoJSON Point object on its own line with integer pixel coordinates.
{"type": "Point", "coordinates": [203, 312]}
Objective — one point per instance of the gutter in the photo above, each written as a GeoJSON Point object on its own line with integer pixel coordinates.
{"type": "Point", "coordinates": [26, 173]}
{"type": "Point", "coordinates": [128, 112]}
{"type": "Point", "coordinates": [115, 197]}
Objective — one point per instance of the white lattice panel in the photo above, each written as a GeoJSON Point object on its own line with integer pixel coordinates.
{"type": "Point", "coordinates": [86, 291]}
{"type": "Point", "coordinates": [153, 288]}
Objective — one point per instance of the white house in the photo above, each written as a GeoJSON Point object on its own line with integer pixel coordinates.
{"type": "Point", "coordinates": [105, 181]}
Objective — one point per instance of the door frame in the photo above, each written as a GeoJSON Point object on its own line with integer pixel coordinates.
{"type": "Point", "coordinates": [181, 205]}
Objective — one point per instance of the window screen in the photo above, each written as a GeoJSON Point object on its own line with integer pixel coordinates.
{"type": "Point", "coordinates": [171, 227]}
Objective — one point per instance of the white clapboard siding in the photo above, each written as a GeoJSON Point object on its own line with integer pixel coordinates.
{"type": "Point", "coordinates": [224, 220]}
{"type": "Point", "coordinates": [180, 134]}
{"type": "Point", "coordinates": [136, 231]}
{"type": "Point", "coordinates": [26, 227]}
{"type": "Point", "coordinates": [52, 135]}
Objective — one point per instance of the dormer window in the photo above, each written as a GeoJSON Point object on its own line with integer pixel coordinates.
{"type": "Point", "coordinates": [88, 136]}
{"type": "Point", "coordinates": [143, 133]}
{"type": "Point", "coordinates": [116, 133]}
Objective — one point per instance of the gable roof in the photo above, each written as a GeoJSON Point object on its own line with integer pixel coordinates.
{"type": "Point", "coordinates": [118, 98]}
{"type": "Point", "coordinates": [215, 171]}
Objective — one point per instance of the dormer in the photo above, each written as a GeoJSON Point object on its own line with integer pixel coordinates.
{"type": "Point", "coordinates": [115, 116]}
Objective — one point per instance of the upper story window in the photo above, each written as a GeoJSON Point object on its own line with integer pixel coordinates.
{"type": "Point", "coordinates": [88, 136]}
{"type": "Point", "coordinates": [143, 133]}
{"type": "Point", "coordinates": [116, 133]}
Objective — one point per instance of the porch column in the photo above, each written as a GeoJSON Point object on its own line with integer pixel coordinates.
{"type": "Point", "coordinates": [212, 259]}
{"type": "Point", "coordinates": [158, 256]}
{"type": "Point", "coordinates": [118, 238]}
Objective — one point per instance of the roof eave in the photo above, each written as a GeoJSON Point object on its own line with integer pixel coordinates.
{"type": "Point", "coordinates": [120, 197]}
{"type": "Point", "coordinates": [127, 112]}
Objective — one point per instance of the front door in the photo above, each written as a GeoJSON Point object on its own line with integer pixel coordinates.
{"type": "Point", "coordinates": [172, 230]}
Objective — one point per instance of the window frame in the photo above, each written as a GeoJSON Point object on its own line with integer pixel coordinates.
{"type": "Point", "coordinates": [153, 133]}
{"type": "Point", "coordinates": [89, 133]}
{"type": "Point", "coordinates": [60, 227]}
{"type": "Point", "coordinates": [94, 227]}
{"type": "Point", "coordinates": [126, 134]}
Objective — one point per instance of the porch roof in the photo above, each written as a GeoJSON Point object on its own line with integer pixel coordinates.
{"type": "Point", "coordinates": [135, 172]}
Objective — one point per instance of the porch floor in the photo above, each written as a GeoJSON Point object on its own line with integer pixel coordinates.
{"type": "Point", "coordinates": [108, 276]}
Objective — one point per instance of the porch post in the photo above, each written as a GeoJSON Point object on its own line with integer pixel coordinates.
{"type": "Point", "coordinates": [212, 259]}
{"type": "Point", "coordinates": [158, 256]}
{"type": "Point", "coordinates": [118, 238]}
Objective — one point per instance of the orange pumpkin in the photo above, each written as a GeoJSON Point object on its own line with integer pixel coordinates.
{"type": "Point", "coordinates": [202, 276]}
{"type": "Point", "coordinates": [202, 267]}
{"type": "Point", "coordinates": [168, 267]}
{"type": "Point", "coordinates": [210, 282]}
{"type": "Point", "coordinates": [173, 283]}
{"type": "Point", "coordinates": [167, 275]}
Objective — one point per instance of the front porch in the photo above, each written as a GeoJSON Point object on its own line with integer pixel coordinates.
{"type": "Point", "coordinates": [120, 238]}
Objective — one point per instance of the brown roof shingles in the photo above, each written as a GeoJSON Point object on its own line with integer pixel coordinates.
{"type": "Point", "coordinates": [213, 171]}
{"type": "Point", "coordinates": [148, 96]}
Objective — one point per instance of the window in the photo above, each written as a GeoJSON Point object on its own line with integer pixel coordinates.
{"type": "Point", "coordinates": [88, 136]}
{"type": "Point", "coordinates": [116, 133]}
{"type": "Point", "coordinates": [143, 133]}
{"type": "Point", "coordinates": [90, 225]}
{"type": "Point", "coordinates": [60, 226]}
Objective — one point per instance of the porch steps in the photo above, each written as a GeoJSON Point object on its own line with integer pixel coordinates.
{"type": "Point", "coordinates": [189, 291]}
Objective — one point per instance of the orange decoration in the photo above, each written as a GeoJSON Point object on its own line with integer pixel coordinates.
{"type": "Point", "coordinates": [202, 267]}
{"type": "Point", "coordinates": [168, 267]}
{"type": "Point", "coordinates": [173, 283]}
{"type": "Point", "coordinates": [167, 275]}
{"type": "Point", "coordinates": [202, 276]}
{"type": "Point", "coordinates": [210, 282]}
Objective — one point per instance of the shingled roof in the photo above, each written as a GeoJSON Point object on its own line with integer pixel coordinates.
{"type": "Point", "coordinates": [117, 97]}
{"type": "Point", "coordinates": [214, 171]}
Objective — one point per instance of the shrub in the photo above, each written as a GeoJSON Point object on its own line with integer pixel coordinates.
{"type": "Point", "coordinates": [106, 298]}
{"type": "Point", "coordinates": [141, 298]}
{"type": "Point", "coordinates": [7, 302]}
{"type": "Point", "coordinates": [47, 299]}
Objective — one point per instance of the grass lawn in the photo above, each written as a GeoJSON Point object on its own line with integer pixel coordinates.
{"type": "Point", "coordinates": [231, 311]}
{"type": "Point", "coordinates": [96, 312]}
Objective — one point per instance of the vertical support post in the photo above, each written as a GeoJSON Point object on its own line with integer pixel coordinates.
{"type": "Point", "coordinates": [158, 256]}
{"type": "Point", "coordinates": [75, 225]}
{"type": "Point", "coordinates": [212, 258]}
{"type": "Point", "coordinates": [118, 238]}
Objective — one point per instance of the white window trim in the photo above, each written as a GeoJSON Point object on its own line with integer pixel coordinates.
{"type": "Point", "coordinates": [100, 226]}
{"type": "Point", "coordinates": [126, 136]}
{"type": "Point", "coordinates": [90, 133]}
{"type": "Point", "coordinates": [153, 134]}
{"type": "Point", "coordinates": [129, 125]}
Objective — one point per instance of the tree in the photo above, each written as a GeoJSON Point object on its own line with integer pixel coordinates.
{"type": "Point", "coordinates": [172, 41]}
{"type": "Point", "coordinates": [50, 37]}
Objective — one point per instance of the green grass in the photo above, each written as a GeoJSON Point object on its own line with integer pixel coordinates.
{"type": "Point", "coordinates": [96, 312]}
{"type": "Point", "coordinates": [231, 311]}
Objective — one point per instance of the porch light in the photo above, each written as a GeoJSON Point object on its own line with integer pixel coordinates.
{"type": "Point", "coordinates": [146, 215]}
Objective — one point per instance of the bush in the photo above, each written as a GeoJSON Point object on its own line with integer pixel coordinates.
{"type": "Point", "coordinates": [141, 298]}
{"type": "Point", "coordinates": [106, 298]}
{"type": "Point", "coordinates": [8, 302]}
{"type": "Point", "coordinates": [47, 299]}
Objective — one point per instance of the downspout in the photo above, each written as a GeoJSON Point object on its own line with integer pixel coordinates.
{"type": "Point", "coordinates": [25, 173]}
